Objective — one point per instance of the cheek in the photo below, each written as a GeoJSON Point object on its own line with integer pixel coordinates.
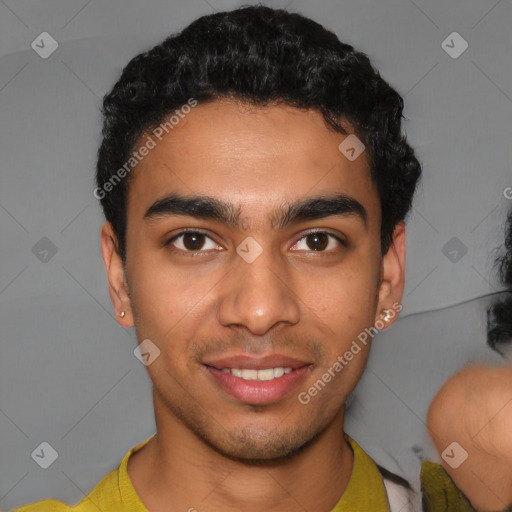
{"type": "Point", "coordinates": [345, 299]}
{"type": "Point", "coordinates": [166, 299]}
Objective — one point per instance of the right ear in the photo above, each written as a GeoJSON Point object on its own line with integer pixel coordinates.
{"type": "Point", "coordinates": [117, 283]}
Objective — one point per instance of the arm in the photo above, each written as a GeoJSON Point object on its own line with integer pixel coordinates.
{"type": "Point", "coordinates": [474, 409]}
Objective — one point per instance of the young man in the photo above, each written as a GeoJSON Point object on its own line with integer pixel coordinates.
{"type": "Point", "coordinates": [255, 182]}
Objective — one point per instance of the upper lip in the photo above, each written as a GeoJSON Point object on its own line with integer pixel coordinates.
{"type": "Point", "coordinates": [245, 361]}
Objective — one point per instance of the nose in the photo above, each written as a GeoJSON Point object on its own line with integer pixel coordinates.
{"type": "Point", "coordinates": [258, 295]}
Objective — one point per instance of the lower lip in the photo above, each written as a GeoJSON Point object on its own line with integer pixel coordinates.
{"type": "Point", "coordinates": [258, 392]}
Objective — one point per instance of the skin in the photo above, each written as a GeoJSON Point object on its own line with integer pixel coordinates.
{"type": "Point", "coordinates": [474, 408]}
{"type": "Point", "coordinates": [212, 452]}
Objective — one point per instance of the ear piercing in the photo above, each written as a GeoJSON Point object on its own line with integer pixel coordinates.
{"type": "Point", "coordinates": [122, 314]}
{"type": "Point", "coordinates": [386, 315]}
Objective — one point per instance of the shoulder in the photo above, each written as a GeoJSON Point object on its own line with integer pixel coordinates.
{"type": "Point", "coordinates": [104, 494]}
{"type": "Point", "coordinates": [113, 492]}
{"type": "Point", "coordinates": [475, 391]}
{"type": "Point", "coordinates": [473, 408]}
{"type": "Point", "coordinates": [56, 506]}
{"type": "Point", "coordinates": [44, 506]}
{"type": "Point", "coordinates": [439, 493]}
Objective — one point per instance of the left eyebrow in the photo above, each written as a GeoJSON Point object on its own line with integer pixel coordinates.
{"type": "Point", "coordinates": [318, 208]}
{"type": "Point", "coordinates": [204, 207]}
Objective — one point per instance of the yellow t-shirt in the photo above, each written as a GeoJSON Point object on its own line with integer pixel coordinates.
{"type": "Point", "coordinates": [365, 491]}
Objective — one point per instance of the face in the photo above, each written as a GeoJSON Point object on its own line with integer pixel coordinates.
{"type": "Point", "coordinates": [275, 264]}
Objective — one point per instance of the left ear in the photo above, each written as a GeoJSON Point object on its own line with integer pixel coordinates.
{"type": "Point", "coordinates": [392, 281]}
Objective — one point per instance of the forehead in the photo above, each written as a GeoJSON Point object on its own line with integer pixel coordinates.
{"type": "Point", "coordinates": [254, 157]}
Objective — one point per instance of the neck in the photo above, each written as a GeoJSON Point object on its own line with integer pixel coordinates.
{"type": "Point", "coordinates": [176, 470]}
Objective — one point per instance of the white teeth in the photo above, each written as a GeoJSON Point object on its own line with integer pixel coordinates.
{"type": "Point", "coordinates": [266, 374]}
{"type": "Point", "coordinates": [278, 372]}
{"type": "Point", "coordinates": [250, 374]}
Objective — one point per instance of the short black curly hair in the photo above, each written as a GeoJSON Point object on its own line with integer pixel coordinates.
{"type": "Point", "coordinates": [499, 315]}
{"type": "Point", "coordinates": [261, 56]}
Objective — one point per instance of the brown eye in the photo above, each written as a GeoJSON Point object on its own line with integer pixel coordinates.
{"type": "Point", "coordinates": [319, 241]}
{"type": "Point", "coordinates": [192, 241]}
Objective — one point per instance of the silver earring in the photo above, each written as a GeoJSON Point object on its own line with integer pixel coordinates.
{"type": "Point", "coordinates": [386, 315]}
{"type": "Point", "coordinates": [122, 314]}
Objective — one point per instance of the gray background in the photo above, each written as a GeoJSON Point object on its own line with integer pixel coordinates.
{"type": "Point", "coordinates": [68, 375]}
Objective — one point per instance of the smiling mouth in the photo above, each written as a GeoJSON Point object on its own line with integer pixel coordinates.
{"type": "Point", "coordinates": [266, 374]}
{"type": "Point", "coordinates": [258, 386]}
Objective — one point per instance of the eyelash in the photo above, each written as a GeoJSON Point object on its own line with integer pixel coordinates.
{"type": "Point", "coordinates": [169, 242]}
